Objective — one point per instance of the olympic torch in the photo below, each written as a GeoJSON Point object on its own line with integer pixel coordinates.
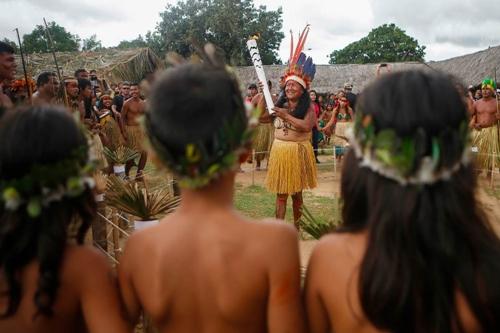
{"type": "Point", "coordinates": [259, 68]}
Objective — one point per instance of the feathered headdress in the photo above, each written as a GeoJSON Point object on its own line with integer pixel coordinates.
{"type": "Point", "coordinates": [300, 67]}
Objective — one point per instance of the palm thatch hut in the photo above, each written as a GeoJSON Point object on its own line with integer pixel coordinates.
{"type": "Point", "coordinates": [114, 65]}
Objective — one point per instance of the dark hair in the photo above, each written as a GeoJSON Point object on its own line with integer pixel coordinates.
{"type": "Point", "coordinates": [302, 107]}
{"type": "Point", "coordinates": [4, 47]}
{"type": "Point", "coordinates": [78, 71]}
{"type": "Point", "coordinates": [196, 104]}
{"type": "Point", "coordinates": [425, 242]}
{"type": "Point", "coordinates": [43, 239]}
{"type": "Point", "coordinates": [44, 78]}
{"type": "Point", "coordinates": [252, 86]}
{"type": "Point", "coordinates": [134, 84]}
{"type": "Point", "coordinates": [87, 102]}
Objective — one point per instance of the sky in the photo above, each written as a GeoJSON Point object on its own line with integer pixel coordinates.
{"type": "Point", "coordinates": [448, 28]}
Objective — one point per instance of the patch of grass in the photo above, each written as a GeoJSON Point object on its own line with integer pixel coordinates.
{"type": "Point", "coordinates": [256, 202]}
{"type": "Point", "coordinates": [493, 192]}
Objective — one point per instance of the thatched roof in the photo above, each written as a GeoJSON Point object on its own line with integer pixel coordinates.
{"type": "Point", "coordinates": [113, 64]}
{"type": "Point", "coordinates": [132, 65]}
{"type": "Point", "coordinates": [472, 68]}
{"type": "Point", "coordinates": [329, 78]}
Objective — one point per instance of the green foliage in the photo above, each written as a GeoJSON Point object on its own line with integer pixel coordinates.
{"type": "Point", "coordinates": [11, 43]}
{"type": "Point", "coordinates": [256, 202]}
{"type": "Point", "coordinates": [36, 41]}
{"type": "Point", "coordinates": [316, 227]}
{"type": "Point", "coordinates": [152, 40]}
{"type": "Point", "coordinates": [132, 44]}
{"type": "Point", "coordinates": [92, 44]}
{"type": "Point", "coordinates": [225, 23]}
{"type": "Point", "coordinates": [387, 43]}
{"type": "Point", "coordinates": [131, 198]}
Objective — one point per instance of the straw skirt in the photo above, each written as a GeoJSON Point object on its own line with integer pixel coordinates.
{"type": "Point", "coordinates": [263, 138]}
{"type": "Point", "coordinates": [135, 137]}
{"type": "Point", "coordinates": [487, 142]}
{"type": "Point", "coordinates": [292, 167]}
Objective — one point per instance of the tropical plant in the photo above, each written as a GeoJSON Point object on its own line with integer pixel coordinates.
{"type": "Point", "coordinates": [317, 228]}
{"type": "Point", "coordinates": [100, 182]}
{"type": "Point", "coordinates": [121, 155]}
{"type": "Point", "coordinates": [134, 199]}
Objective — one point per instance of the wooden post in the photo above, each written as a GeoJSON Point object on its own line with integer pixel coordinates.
{"type": "Point", "coordinates": [99, 233]}
{"type": "Point", "coordinates": [116, 237]}
{"type": "Point", "coordinates": [253, 167]}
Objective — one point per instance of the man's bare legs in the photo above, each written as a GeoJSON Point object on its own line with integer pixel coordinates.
{"type": "Point", "coordinates": [141, 166]}
{"type": "Point", "coordinates": [281, 200]}
{"type": "Point", "coordinates": [297, 202]}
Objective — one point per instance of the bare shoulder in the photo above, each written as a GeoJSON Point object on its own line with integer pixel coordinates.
{"type": "Point", "coordinates": [274, 228]}
{"type": "Point", "coordinates": [276, 236]}
{"type": "Point", "coordinates": [339, 248]}
{"type": "Point", "coordinates": [84, 261]}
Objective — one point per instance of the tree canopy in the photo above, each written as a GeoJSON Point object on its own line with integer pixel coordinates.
{"type": "Point", "coordinates": [92, 44]}
{"type": "Point", "coordinates": [226, 23]}
{"type": "Point", "coordinates": [387, 43]}
{"type": "Point", "coordinates": [36, 41]}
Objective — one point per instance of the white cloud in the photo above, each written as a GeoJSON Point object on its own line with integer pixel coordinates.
{"type": "Point", "coordinates": [447, 27]}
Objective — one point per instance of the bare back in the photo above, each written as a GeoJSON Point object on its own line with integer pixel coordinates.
{"type": "Point", "coordinates": [331, 292]}
{"type": "Point", "coordinates": [87, 290]}
{"type": "Point", "coordinates": [214, 272]}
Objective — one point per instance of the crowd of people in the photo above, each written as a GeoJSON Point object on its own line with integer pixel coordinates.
{"type": "Point", "coordinates": [110, 113]}
{"type": "Point", "coordinates": [414, 253]}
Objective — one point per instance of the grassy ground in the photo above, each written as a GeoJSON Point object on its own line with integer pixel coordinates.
{"type": "Point", "coordinates": [493, 192]}
{"type": "Point", "coordinates": [256, 202]}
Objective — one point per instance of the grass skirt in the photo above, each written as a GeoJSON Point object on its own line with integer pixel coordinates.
{"type": "Point", "coordinates": [292, 167]}
{"type": "Point", "coordinates": [486, 140]}
{"type": "Point", "coordinates": [135, 137]}
{"type": "Point", "coordinates": [112, 131]}
{"type": "Point", "coordinates": [262, 140]}
{"type": "Point", "coordinates": [340, 134]}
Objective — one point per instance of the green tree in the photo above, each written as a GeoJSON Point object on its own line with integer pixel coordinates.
{"type": "Point", "coordinates": [387, 43]}
{"type": "Point", "coordinates": [132, 44]}
{"type": "Point", "coordinates": [92, 44]}
{"type": "Point", "coordinates": [226, 23]}
{"type": "Point", "coordinates": [11, 43]}
{"type": "Point", "coordinates": [36, 41]}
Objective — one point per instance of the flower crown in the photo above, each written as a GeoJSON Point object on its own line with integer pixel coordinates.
{"type": "Point", "coordinates": [404, 159]}
{"type": "Point", "coordinates": [48, 183]}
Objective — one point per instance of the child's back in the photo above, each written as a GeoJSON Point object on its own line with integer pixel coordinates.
{"type": "Point", "coordinates": [214, 271]}
{"type": "Point", "coordinates": [205, 268]}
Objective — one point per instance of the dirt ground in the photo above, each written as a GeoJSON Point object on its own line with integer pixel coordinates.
{"type": "Point", "coordinates": [329, 186]}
